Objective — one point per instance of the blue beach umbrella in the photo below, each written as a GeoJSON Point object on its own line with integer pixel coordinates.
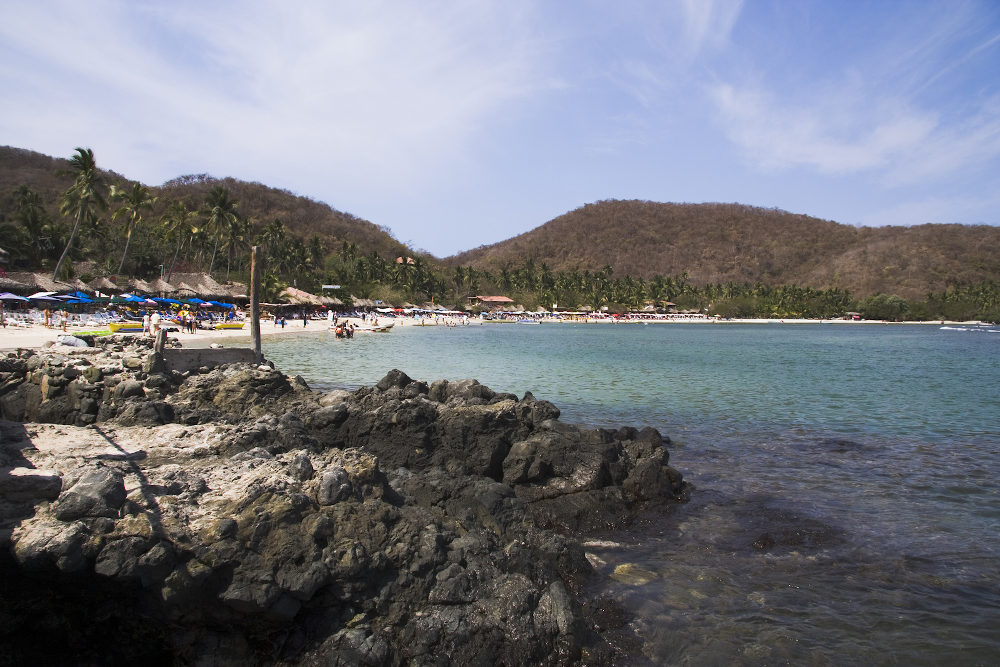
{"type": "Point", "coordinates": [7, 296]}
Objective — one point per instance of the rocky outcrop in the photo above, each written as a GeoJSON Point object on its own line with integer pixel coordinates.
{"type": "Point", "coordinates": [233, 516]}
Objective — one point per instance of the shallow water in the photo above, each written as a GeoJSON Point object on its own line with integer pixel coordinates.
{"type": "Point", "coordinates": [845, 506]}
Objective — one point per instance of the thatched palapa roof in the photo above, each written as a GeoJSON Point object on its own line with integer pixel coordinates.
{"type": "Point", "coordinates": [39, 282]}
{"type": "Point", "coordinates": [296, 296]}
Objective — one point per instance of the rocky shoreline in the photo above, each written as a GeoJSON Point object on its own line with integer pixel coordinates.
{"type": "Point", "coordinates": [231, 515]}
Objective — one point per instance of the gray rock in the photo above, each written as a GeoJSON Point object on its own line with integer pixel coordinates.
{"type": "Point", "coordinates": [334, 486]}
{"type": "Point", "coordinates": [99, 492]}
{"type": "Point", "coordinates": [129, 389]}
{"type": "Point", "coordinates": [301, 468]}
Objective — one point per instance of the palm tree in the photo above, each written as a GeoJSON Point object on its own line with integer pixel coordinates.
{"type": "Point", "coordinates": [220, 216]}
{"type": "Point", "coordinates": [35, 225]}
{"type": "Point", "coordinates": [83, 197]}
{"type": "Point", "coordinates": [317, 250]}
{"type": "Point", "coordinates": [271, 238]}
{"type": "Point", "coordinates": [133, 201]}
{"type": "Point", "coordinates": [177, 225]}
{"type": "Point", "coordinates": [239, 233]}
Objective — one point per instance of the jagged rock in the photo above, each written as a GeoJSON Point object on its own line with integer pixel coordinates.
{"type": "Point", "coordinates": [253, 519]}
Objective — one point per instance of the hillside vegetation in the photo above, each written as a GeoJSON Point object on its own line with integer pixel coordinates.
{"type": "Point", "coordinates": [723, 243]}
{"type": "Point", "coordinates": [268, 215]}
{"type": "Point", "coordinates": [75, 219]}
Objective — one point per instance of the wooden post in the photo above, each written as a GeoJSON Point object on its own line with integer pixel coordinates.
{"type": "Point", "coordinates": [161, 341]}
{"type": "Point", "coordinates": [255, 302]}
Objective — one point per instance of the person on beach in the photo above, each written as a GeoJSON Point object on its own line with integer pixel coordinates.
{"type": "Point", "coordinates": [154, 322]}
{"type": "Point", "coordinates": [47, 314]}
{"type": "Point", "coordinates": [145, 323]}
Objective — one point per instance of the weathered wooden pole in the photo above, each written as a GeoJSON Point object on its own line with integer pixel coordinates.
{"type": "Point", "coordinates": [255, 302]}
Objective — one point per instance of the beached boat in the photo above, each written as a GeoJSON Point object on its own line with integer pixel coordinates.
{"type": "Point", "coordinates": [125, 327]}
{"type": "Point", "coordinates": [528, 320]}
{"type": "Point", "coordinates": [228, 325]}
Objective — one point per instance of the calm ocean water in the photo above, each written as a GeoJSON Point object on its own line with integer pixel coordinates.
{"type": "Point", "coordinates": [845, 506]}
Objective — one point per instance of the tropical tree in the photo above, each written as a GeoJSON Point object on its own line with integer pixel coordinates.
{"type": "Point", "coordinates": [220, 217]}
{"type": "Point", "coordinates": [177, 224]}
{"type": "Point", "coordinates": [83, 199]}
{"type": "Point", "coordinates": [133, 201]}
{"type": "Point", "coordinates": [34, 227]}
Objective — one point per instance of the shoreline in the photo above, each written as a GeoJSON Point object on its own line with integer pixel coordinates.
{"type": "Point", "coordinates": [38, 336]}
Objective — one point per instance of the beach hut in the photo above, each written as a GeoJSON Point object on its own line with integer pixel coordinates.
{"type": "Point", "coordinates": [161, 287]}
{"type": "Point", "coordinates": [103, 283]}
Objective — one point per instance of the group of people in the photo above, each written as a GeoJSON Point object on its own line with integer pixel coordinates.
{"type": "Point", "coordinates": [188, 321]}
{"type": "Point", "coordinates": [151, 322]}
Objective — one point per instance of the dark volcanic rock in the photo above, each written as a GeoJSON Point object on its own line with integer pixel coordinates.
{"type": "Point", "coordinates": [265, 523]}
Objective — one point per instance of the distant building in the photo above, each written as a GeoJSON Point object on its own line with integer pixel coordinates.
{"type": "Point", "coordinates": [490, 302]}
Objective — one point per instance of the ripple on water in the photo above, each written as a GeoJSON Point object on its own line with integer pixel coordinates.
{"type": "Point", "coordinates": [844, 509]}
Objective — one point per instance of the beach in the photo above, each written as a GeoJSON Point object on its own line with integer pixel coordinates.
{"type": "Point", "coordinates": [38, 336]}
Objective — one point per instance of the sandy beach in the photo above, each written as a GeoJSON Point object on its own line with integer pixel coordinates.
{"type": "Point", "coordinates": [37, 336]}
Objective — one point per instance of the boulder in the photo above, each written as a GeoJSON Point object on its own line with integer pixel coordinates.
{"type": "Point", "coordinates": [98, 492]}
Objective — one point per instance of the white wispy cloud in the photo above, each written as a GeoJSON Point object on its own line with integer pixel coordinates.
{"type": "Point", "coordinates": [891, 112]}
{"type": "Point", "coordinates": [363, 89]}
{"type": "Point", "coordinates": [831, 135]}
{"type": "Point", "coordinates": [708, 23]}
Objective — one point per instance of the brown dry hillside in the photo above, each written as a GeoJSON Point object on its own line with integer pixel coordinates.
{"type": "Point", "coordinates": [719, 243]}
{"type": "Point", "coordinates": [301, 215]}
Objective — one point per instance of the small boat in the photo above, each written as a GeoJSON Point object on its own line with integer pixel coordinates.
{"type": "Point", "coordinates": [376, 328]}
{"type": "Point", "coordinates": [125, 327]}
{"type": "Point", "coordinates": [228, 325]}
{"type": "Point", "coordinates": [528, 320]}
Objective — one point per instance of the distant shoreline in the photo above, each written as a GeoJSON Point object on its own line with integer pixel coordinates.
{"type": "Point", "coordinates": [747, 321]}
{"type": "Point", "coordinates": [37, 336]}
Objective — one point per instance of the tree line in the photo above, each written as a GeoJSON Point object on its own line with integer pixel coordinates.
{"type": "Point", "coordinates": [113, 225]}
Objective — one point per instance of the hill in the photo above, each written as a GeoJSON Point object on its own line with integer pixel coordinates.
{"type": "Point", "coordinates": [722, 243]}
{"type": "Point", "coordinates": [301, 216]}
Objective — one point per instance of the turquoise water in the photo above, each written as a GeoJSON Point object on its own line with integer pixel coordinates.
{"type": "Point", "coordinates": [845, 506]}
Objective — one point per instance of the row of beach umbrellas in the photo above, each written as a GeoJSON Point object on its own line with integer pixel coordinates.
{"type": "Point", "coordinates": [80, 297]}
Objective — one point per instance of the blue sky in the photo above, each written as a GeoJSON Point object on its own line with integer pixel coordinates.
{"type": "Point", "coordinates": [462, 123]}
